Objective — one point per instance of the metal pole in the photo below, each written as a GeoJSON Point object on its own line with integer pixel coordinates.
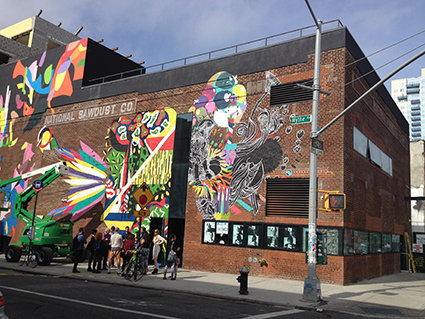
{"type": "Point", "coordinates": [32, 222]}
{"type": "Point", "coordinates": [312, 290]}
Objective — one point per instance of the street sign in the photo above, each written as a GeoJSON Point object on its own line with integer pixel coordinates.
{"type": "Point", "coordinates": [142, 213]}
{"type": "Point", "coordinates": [301, 119]}
{"type": "Point", "coordinates": [37, 185]}
{"type": "Point", "coordinates": [143, 195]}
{"type": "Point", "coordinates": [317, 146]}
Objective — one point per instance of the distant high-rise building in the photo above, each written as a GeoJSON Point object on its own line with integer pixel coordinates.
{"type": "Point", "coordinates": [409, 95]}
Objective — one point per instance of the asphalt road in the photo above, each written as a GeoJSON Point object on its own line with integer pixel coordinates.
{"type": "Point", "coordinates": [36, 296]}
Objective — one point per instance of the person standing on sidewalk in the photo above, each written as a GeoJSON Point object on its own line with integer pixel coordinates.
{"type": "Point", "coordinates": [145, 244]}
{"type": "Point", "coordinates": [157, 243]}
{"type": "Point", "coordinates": [98, 253]}
{"type": "Point", "coordinates": [105, 247]}
{"type": "Point", "coordinates": [116, 246]}
{"type": "Point", "coordinates": [90, 248]}
{"type": "Point", "coordinates": [80, 249]}
{"type": "Point", "coordinates": [171, 254]}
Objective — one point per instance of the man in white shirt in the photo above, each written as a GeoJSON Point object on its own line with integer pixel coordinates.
{"type": "Point", "coordinates": [116, 246]}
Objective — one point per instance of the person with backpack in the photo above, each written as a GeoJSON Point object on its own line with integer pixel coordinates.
{"type": "Point", "coordinates": [79, 248]}
{"type": "Point", "coordinates": [90, 247]}
{"type": "Point", "coordinates": [171, 253]}
{"type": "Point", "coordinates": [98, 253]}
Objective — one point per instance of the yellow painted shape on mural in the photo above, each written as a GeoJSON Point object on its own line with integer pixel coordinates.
{"type": "Point", "coordinates": [31, 94]}
{"type": "Point", "coordinates": [24, 146]}
{"type": "Point", "coordinates": [89, 194]}
{"type": "Point", "coordinates": [13, 141]}
{"type": "Point", "coordinates": [77, 52]}
{"type": "Point", "coordinates": [79, 165]}
{"type": "Point", "coordinates": [59, 80]}
{"type": "Point", "coordinates": [158, 171]}
{"type": "Point", "coordinates": [121, 225]}
{"type": "Point", "coordinates": [2, 120]}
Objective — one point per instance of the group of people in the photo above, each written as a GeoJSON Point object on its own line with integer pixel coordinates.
{"type": "Point", "coordinates": [110, 247]}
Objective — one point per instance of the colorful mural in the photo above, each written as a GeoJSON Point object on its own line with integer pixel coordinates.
{"type": "Point", "coordinates": [9, 222]}
{"type": "Point", "coordinates": [87, 173]}
{"type": "Point", "coordinates": [33, 87]}
{"type": "Point", "coordinates": [140, 151]}
{"type": "Point", "coordinates": [226, 175]}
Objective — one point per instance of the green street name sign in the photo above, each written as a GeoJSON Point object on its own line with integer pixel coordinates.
{"type": "Point", "coordinates": [301, 119]}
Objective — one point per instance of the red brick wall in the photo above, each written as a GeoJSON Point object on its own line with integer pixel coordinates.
{"type": "Point", "coordinates": [374, 199]}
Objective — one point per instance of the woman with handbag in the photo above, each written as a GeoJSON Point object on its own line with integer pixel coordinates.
{"type": "Point", "coordinates": [157, 243]}
{"type": "Point", "coordinates": [171, 254]}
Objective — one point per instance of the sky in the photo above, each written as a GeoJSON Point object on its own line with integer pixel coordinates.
{"type": "Point", "coordinates": [160, 31]}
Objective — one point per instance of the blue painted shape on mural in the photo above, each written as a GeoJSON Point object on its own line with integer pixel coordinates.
{"type": "Point", "coordinates": [120, 217]}
{"type": "Point", "coordinates": [37, 84]}
{"type": "Point", "coordinates": [231, 146]}
{"type": "Point", "coordinates": [91, 160]}
{"type": "Point", "coordinates": [244, 205]}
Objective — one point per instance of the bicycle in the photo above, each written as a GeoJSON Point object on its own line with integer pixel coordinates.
{"type": "Point", "coordinates": [30, 257]}
{"type": "Point", "coordinates": [136, 267]}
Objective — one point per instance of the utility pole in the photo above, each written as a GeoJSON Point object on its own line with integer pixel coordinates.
{"type": "Point", "coordinates": [312, 290]}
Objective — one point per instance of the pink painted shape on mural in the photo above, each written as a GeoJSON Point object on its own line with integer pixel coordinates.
{"type": "Point", "coordinates": [43, 57]}
{"type": "Point", "coordinates": [76, 154]}
{"type": "Point", "coordinates": [86, 149]}
{"type": "Point", "coordinates": [236, 210]}
{"type": "Point", "coordinates": [81, 212]}
{"type": "Point", "coordinates": [28, 154]}
{"type": "Point", "coordinates": [262, 198]}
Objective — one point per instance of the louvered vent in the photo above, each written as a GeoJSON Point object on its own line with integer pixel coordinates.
{"type": "Point", "coordinates": [291, 93]}
{"type": "Point", "coordinates": [287, 197]}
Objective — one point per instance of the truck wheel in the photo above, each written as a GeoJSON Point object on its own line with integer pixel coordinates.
{"type": "Point", "coordinates": [13, 253]}
{"type": "Point", "coordinates": [45, 256]}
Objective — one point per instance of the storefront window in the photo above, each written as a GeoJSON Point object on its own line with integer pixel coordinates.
{"type": "Point", "coordinates": [348, 241]}
{"type": "Point", "coordinates": [395, 243]}
{"type": "Point", "coordinates": [222, 233]}
{"type": "Point", "coordinates": [272, 236]}
{"type": "Point", "coordinates": [209, 232]}
{"type": "Point", "coordinates": [333, 240]}
{"type": "Point", "coordinates": [386, 243]}
{"type": "Point", "coordinates": [238, 234]}
{"type": "Point", "coordinates": [361, 242]}
{"type": "Point", "coordinates": [254, 235]}
{"type": "Point", "coordinates": [375, 242]}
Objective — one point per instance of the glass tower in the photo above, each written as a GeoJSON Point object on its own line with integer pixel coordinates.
{"type": "Point", "coordinates": [409, 95]}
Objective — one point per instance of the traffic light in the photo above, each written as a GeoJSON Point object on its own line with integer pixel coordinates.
{"type": "Point", "coordinates": [334, 201]}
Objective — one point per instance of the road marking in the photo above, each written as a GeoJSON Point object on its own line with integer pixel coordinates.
{"type": "Point", "coordinates": [87, 303]}
{"type": "Point", "coordinates": [275, 314]}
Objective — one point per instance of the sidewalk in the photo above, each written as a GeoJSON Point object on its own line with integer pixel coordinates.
{"type": "Point", "coordinates": [401, 295]}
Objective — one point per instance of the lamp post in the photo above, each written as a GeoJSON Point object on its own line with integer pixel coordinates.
{"type": "Point", "coordinates": [312, 290]}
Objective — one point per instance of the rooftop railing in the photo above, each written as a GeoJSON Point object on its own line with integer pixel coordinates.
{"type": "Point", "coordinates": [289, 35]}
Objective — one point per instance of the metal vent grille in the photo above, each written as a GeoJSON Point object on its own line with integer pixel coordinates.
{"type": "Point", "coordinates": [287, 197]}
{"type": "Point", "coordinates": [291, 93]}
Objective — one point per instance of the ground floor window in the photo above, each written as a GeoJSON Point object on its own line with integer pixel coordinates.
{"type": "Point", "coordinates": [340, 241]}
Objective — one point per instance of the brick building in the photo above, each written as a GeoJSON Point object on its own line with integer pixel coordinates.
{"type": "Point", "coordinates": [215, 143]}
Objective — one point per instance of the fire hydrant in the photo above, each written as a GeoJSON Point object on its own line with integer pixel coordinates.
{"type": "Point", "coordinates": [243, 280]}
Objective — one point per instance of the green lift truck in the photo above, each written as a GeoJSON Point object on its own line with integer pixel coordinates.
{"type": "Point", "coordinates": [49, 238]}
